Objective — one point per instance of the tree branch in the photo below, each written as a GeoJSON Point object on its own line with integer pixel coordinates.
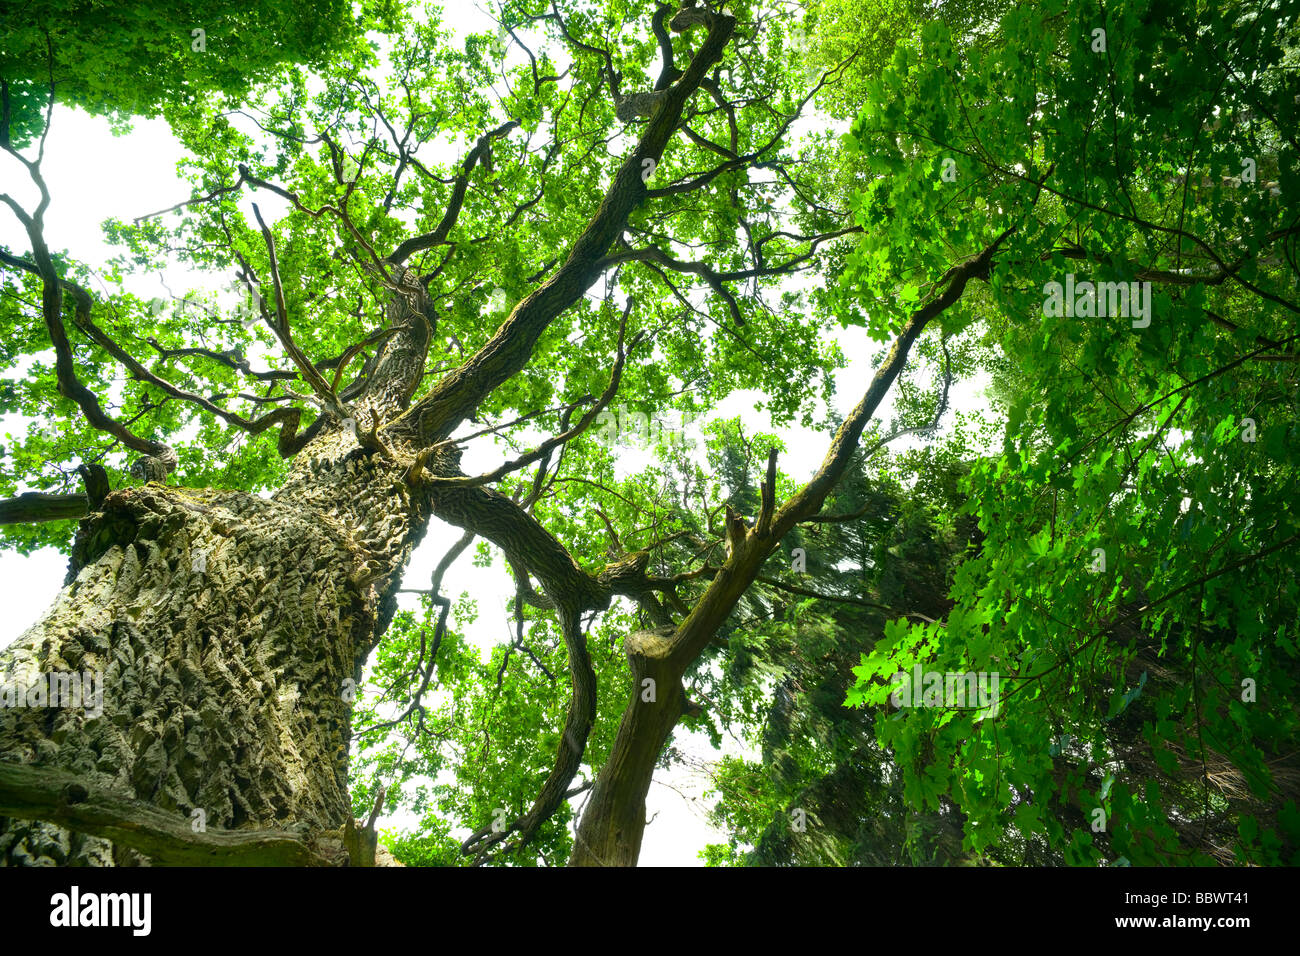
{"type": "Point", "coordinates": [439, 235]}
{"type": "Point", "coordinates": [280, 326]}
{"type": "Point", "coordinates": [53, 796]}
{"type": "Point", "coordinates": [545, 448]}
{"type": "Point", "coordinates": [459, 393]}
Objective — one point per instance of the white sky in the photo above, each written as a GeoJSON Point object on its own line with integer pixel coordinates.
{"type": "Point", "coordinates": [93, 176]}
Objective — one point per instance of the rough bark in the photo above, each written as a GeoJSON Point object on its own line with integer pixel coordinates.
{"type": "Point", "coordinates": [229, 630]}
{"type": "Point", "coordinates": [226, 628]}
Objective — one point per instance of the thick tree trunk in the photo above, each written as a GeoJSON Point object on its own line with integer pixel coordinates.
{"type": "Point", "coordinates": [230, 632]}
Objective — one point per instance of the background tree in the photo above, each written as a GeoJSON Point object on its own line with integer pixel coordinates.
{"type": "Point", "coordinates": [146, 59]}
{"type": "Point", "coordinates": [1136, 587]}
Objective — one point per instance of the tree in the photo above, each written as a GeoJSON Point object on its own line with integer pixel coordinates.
{"type": "Point", "coordinates": [1134, 497]}
{"type": "Point", "coordinates": [1132, 731]}
{"type": "Point", "coordinates": [186, 596]}
{"type": "Point", "coordinates": [86, 52]}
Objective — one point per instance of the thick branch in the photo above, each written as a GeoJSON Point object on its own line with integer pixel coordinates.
{"type": "Point", "coordinates": [460, 392]}
{"type": "Point", "coordinates": [28, 793]}
{"type": "Point", "coordinates": [808, 500]}
{"type": "Point", "coordinates": [523, 538]}
{"type": "Point", "coordinates": [573, 742]}
{"type": "Point", "coordinates": [35, 506]}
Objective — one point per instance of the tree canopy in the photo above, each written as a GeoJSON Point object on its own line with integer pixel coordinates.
{"type": "Point", "coordinates": [610, 218]}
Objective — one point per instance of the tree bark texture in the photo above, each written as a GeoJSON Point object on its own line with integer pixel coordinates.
{"type": "Point", "coordinates": [230, 631]}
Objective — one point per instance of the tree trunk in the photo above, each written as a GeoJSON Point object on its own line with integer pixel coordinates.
{"type": "Point", "coordinates": [610, 831]}
{"type": "Point", "coordinates": [230, 632]}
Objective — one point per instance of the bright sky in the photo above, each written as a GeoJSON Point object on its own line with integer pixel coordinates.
{"type": "Point", "coordinates": [136, 174]}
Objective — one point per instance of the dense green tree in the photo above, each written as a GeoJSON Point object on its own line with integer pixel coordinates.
{"type": "Point", "coordinates": [1136, 589]}
{"type": "Point", "coordinates": [148, 58]}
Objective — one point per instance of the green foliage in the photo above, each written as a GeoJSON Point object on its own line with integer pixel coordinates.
{"type": "Point", "coordinates": [144, 58]}
{"type": "Point", "coordinates": [1169, 447]}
